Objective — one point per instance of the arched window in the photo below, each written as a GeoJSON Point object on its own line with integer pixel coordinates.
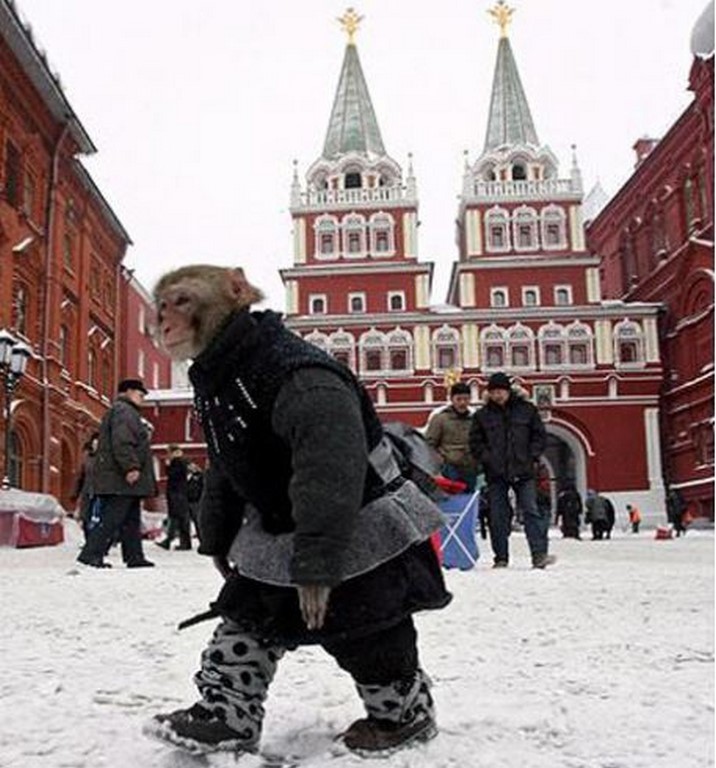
{"type": "Point", "coordinates": [16, 463]}
{"type": "Point", "coordinates": [446, 348]}
{"type": "Point", "coordinates": [317, 304]}
{"type": "Point", "coordinates": [353, 180]}
{"type": "Point", "coordinates": [326, 229]}
{"type": "Point", "coordinates": [525, 229]}
{"type": "Point", "coordinates": [497, 230]}
{"type": "Point", "coordinates": [400, 346]}
{"type": "Point", "coordinates": [519, 171]}
{"type": "Point", "coordinates": [493, 341]}
{"type": "Point", "coordinates": [554, 229]}
{"type": "Point", "coordinates": [520, 344]}
{"type": "Point", "coordinates": [552, 342]}
{"type": "Point", "coordinates": [353, 236]}
{"type": "Point", "coordinates": [373, 352]}
{"type": "Point", "coordinates": [318, 339]}
{"type": "Point", "coordinates": [342, 346]}
{"type": "Point", "coordinates": [381, 235]}
{"type": "Point", "coordinates": [562, 295]}
{"type": "Point", "coordinates": [499, 297]}
{"type": "Point", "coordinates": [628, 343]}
{"type": "Point", "coordinates": [579, 344]}
{"type": "Point", "coordinates": [530, 296]}
{"type": "Point", "coordinates": [396, 301]}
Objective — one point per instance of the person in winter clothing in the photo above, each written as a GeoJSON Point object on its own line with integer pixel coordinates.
{"type": "Point", "coordinates": [634, 517]}
{"type": "Point", "coordinates": [507, 438]}
{"type": "Point", "coordinates": [83, 490]}
{"type": "Point", "coordinates": [307, 516]}
{"type": "Point", "coordinates": [611, 517]}
{"type": "Point", "coordinates": [597, 514]}
{"type": "Point", "coordinates": [194, 489]}
{"type": "Point", "coordinates": [177, 493]}
{"type": "Point", "coordinates": [675, 508]}
{"type": "Point", "coordinates": [569, 512]}
{"type": "Point", "coordinates": [122, 475]}
{"type": "Point", "coordinates": [449, 433]}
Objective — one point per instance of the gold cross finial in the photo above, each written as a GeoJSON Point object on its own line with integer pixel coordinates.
{"type": "Point", "coordinates": [350, 22]}
{"type": "Point", "coordinates": [502, 14]}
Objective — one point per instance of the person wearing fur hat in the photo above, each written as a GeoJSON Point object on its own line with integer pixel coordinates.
{"type": "Point", "coordinates": [507, 437]}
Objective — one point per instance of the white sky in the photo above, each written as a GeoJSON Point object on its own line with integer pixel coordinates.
{"type": "Point", "coordinates": [199, 108]}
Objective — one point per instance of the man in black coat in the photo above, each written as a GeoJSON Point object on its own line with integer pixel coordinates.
{"type": "Point", "coordinates": [507, 437]}
{"type": "Point", "coordinates": [177, 494]}
{"type": "Point", "coordinates": [122, 475]}
{"type": "Point", "coordinates": [304, 510]}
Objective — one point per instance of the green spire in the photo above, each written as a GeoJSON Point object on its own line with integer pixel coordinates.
{"type": "Point", "coordinates": [353, 126]}
{"type": "Point", "coordinates": [510, 121]}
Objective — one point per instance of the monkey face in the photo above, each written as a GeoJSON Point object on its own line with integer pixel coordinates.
{"type": "Point", "coordinates": [177, 313]}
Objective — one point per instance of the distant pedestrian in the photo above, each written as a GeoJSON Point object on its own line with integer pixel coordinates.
{"type": "Point", "coordinates": [179, 522]}
{"type": "Point", "coordinates": [675, 509]}
{"type": "Point", "coordinates": [83, 490]}
{"type": "Point", "coordinates": [597, 515]}
{"type": "Point", "coordinates": [507, 438]}
{"type": "Point", "coordinates": [569, 512]}
{"type": "Point", "coordinates": [194, 489]}
{"type": "Point", "coordinates": [122, 475]}
{"type": "Point", "coordinates": [448, 433]}
{"type": "Point", "coordinates": [611, 517]}
{"type": "Point", "coordinates": [634, 517]}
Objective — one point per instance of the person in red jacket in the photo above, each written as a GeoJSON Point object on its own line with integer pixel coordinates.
{"type": "Point", "coordinates": [634, 517]}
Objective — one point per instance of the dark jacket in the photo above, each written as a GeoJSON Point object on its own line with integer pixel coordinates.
{"type": "Point", "coordinates": [291, 482]}
{"type": "Point", "coordinates": [123, 446]}
{"type": "Point", "coordinates": [508, 441]}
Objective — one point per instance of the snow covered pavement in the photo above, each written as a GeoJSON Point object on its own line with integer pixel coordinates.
{"type": "Point", "coordinates": [604, 661]}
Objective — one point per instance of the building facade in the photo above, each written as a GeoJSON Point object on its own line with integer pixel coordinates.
{"type": "Point", "coordinates": [62, 289]}
{"type": "Point", "coordinates": [655, 243]}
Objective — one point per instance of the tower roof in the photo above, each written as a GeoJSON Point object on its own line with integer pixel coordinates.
{"type": "Point", "coordinates": [353, 126]}
{"type": "Point", "coordinates": [510, 121]}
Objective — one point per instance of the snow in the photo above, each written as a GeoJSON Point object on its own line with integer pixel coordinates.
{"type": "Point", "coordinates": [604, 661]}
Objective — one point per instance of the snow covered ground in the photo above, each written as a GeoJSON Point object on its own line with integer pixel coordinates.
{"type": "Point", "coordinates": [605, 661]}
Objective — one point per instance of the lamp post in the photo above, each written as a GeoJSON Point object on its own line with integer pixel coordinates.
{"type": "Point", "coordinates": [14, 355]}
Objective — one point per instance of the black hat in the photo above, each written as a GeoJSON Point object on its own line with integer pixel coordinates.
{"type": "Point", "coordinates": [126, 384]}
{"type": "Point", "coordinates": [499, 381]}
{"type": "Point", "coordinates": [459, 388]}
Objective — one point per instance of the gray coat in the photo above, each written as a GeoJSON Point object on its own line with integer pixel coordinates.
{"type": "Point", "coordinates": [123, 446]}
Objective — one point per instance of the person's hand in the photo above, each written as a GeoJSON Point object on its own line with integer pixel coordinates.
{"type": "Point", "coordinates": [313, 599]}
{"type": "Point", "coordinates": [132, 477]}
{"type": "Point", "coordinates": [222, 565]}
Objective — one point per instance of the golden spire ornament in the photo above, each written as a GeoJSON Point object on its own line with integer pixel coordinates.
{"type": "Point", "coordinates": [452, 376]}
{"type": "Point", "coordinates": [350, 22]}
{"type": "Point", "coordinates": [502, 14]}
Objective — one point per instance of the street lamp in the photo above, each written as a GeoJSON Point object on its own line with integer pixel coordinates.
{"type": "Point", "coordinates": [14, 355]}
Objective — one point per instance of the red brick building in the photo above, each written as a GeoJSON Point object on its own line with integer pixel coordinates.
{"type": "Point", "coordinates": [62, 288]}
{"type": "Point", "coordinates": [655, 244]}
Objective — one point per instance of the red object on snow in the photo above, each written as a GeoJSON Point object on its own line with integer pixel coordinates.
{"type": "Point", "coordinates": [30, 519]}
{"type": "Point", "coordinates": [436, 545]}
{"type": "Point", "coordinates": [450, 486]}
{"type": "Point", "coordinates": [31, 533]}
{"type": "Point", "coordinates": [664, 532]}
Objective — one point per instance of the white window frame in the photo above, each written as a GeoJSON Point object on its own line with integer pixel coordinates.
{"type": "Point", "coordinates": [552, 334]}
{"type": "Point", "coordinates": [320, 228]}
{"type": "Point", "coordinates": [572, 340]}
{"type": "Point", "coordinates": [554, 214]}
{"type": "Point", "coordinates": [353, 222]}
{"type": "Point", "coordinates": [382, 222]}
{"type": "Point", "coordinates": [518, 336]}
{"type": "Point", "coordinates": [391, 296]}
{"type": "Point", "coordinates": [493, 336]}
{"type": "Point", "coordinates": [318, 339]}
{"type": "Point", "coordinates": [402, 340]}
{"type": "Point", "coordinates": [445, 336]}
{"type": "Point", "coordinates": [357, 295]}
{"type": "Point", "coordinates": [637, 337]}
{"type": "Point", "coordinates": [503, 289]}
{"type": "Point", "coordinates": [372, 341]}
{"type": "Point", "coordinates": [493, 217]}
{"type": "Point", "coordinates": [535, 288]}
{"type": "Point", "coordinates": [525, 215]}
{"type": "Point", "coordinates": [317, 297]}
{"type": "Point", "coordinates": [570, 298]}
{"type": "Point", "coordinates": [342, 341]}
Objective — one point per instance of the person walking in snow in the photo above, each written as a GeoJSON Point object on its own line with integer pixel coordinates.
{"type": "Point", "coordinates": [597, 514]}
{"type": "Point", "coordinates": [83, 490]}
{"type": "Point", "coordinates": [569, 512]}
{"type": "Point", "coordinates": [634, 517]}
{"type": "Point", "coordinates": [507, 438]}
{"type": "Point", "coordinates": [177, 495]}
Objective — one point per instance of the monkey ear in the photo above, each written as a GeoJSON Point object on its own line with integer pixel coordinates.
{"type": "Point", "coordinates": [242, 290]}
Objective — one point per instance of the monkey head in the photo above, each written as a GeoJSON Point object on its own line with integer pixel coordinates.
{"type": "Point", "coordinates": [193, 302]}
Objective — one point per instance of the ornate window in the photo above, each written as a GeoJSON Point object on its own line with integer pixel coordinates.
{"type": "Point", "coordinates": [396, 301]}
{"type": "Point", "coordinates": [580, 345]}
{"type": "Point", "coordinates": [530, 296]}
{"type": "Point", "coordinates": [520, 345]}
{"type": "Point", "coordinates": [15, 460]}
{"type": "Point", "coordinates": [562, 295]}
{"type": "Point", "coordinates": [499, 297]}
{"type": "Point", "coordinates": [317, 304]}
{"type": "Point", "coordinates": [628, 344]}
{"type": "Point", "coordinates": [356, 303]}
{"type": "Point", "coordinates": [353, 180]}
{"type": "Point", "coordinates": [382, 241]}
{"type": "Point", "coordinates": [552, 341]}
{"type": "Point", "coordinates": [400, 346]}
{"type": "Point", "coordinates": [525, 229]}
{"type": "Point", "coordinates": [493, 341]}
{"type": "Point", "coordinates": [554, 229]}
{"type": "Point", "coordinates": [446, 348]}
{"type": "Point", "coordinates": [318, 339]}
{"type": "Point", "coordinates": [497, 230]}
{"type": "Point", "coordinates": [373, 352]}
{"type": "Point", "coordinates": [326, 229]}
{"type": "Point", "coordinates": [353, 236]}
{"type": "Point", "coordinates": [342, 346]}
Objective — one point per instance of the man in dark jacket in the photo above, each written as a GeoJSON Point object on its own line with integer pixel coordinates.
{"type": "Point", "coordinates": [507, 437]}
{"type": "Point", "coordinates": [330, 543]}
{"type": "Point", "coordinates": [123, 474]}
{"type": "Point", "coordinates": [177, 494]}
{"type": "Point", "coordinates": [449, 433]}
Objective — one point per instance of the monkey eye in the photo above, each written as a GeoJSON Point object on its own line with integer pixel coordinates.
{"type": "Point", "coordinates": [181, 300]}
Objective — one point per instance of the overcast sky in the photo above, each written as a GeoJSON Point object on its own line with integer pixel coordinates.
{"type": "Point", "coordinates": [199, 108]}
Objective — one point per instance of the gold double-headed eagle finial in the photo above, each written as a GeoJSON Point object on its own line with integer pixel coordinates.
{"type": "Point", "coordinates": [452, 376]}
{"type": "Point", "coordinates": [502, 14]}
{"type": "Point", "coordinates": [350, 21]}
